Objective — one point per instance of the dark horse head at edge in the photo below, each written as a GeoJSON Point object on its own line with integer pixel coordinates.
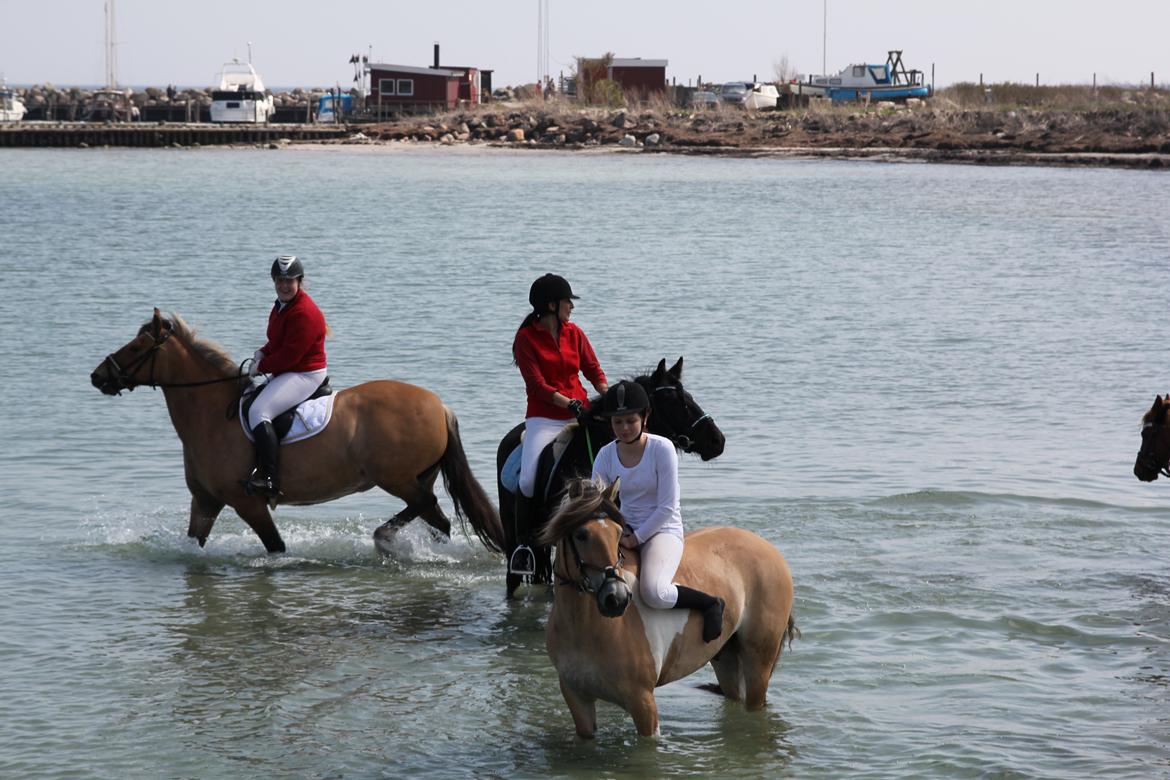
{"type": "Point", "coordinates": [1154, 456]}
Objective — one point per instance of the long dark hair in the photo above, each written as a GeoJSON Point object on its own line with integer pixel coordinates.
{"type": "Point", "coordinates": [529, 318]}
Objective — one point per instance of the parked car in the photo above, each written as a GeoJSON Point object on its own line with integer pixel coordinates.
{"type": "Point", "coordinates": [704, 100]}
{"type": "Point", "coordinates": [733, 93]}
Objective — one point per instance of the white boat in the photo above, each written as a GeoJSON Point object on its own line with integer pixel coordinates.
{"type": "Point", "coordinates": [11, 106]}
{"type": "Point", "coordinates": [890, 81]}
{"type": "Point", "coordinates": [241, 96]}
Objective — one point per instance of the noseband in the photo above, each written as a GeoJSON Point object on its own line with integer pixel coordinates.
{"type": "Point", "coordinates": [122, 378]}
{"type": "Point", "coordinates": [1148, 460]}
{"type": "Point", "coordinates": [585, 585]}
{"type": "Point", "coordinates": [682, 439]}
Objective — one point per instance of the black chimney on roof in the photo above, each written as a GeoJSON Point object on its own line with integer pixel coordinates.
{"type": "Point", "coordinates": [436, 55]}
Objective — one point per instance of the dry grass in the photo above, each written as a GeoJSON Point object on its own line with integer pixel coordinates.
{"type": "Point", "coordinates": [967, 95]}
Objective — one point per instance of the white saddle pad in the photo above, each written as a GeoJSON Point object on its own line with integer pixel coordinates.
{"type": "Point", "coordinates": [310, 419]}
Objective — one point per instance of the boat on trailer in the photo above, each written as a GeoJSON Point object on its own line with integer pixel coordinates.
{"type": "Point", "coordinates": [241, 96]}
{"type": "Point", "coordinates": [890, 81]}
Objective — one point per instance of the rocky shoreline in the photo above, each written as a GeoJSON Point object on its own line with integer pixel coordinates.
{"type": "Point", "coordinates": [1123, 136]}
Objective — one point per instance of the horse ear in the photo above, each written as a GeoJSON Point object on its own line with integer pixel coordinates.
{"type": "Point", "coordinates": [156, 322]}
{"type": "Point", "coordinates": [658, 372]}
{"type": "Point", "coordinates": [676, 369]}
{"type": "Point", "coordinates": [611, 492]}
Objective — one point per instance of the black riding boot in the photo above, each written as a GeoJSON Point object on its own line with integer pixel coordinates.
{"type": "Point", "coordinates": [710, 607]}
{"type": "Point", "coordinates": [522, 560]}
{"type": "Point", "coordinates": [265, 480]}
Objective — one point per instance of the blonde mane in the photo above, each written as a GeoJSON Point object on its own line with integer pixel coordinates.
{"type": "Point", "coordinates": [213, 353]}
{"type": "Point", "coordinates": [584, 500]}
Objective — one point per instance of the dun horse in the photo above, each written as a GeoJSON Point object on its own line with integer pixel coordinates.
{"type": "Point", "coordinates": [382, 434]}
{"type": "Point", "coordinates": [607, 644]}
{"type": "Point", "coordinates": [1154, 456]}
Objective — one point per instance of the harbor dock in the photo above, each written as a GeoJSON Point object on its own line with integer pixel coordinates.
{"type": "Point", "coordinates": [144, 134]}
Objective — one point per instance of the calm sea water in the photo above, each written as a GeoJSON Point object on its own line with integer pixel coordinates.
{"type": "Point", "coordinates": [930, 379]}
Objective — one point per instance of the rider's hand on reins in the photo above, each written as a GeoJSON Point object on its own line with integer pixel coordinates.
{"type": "Point", "coordinates": [628, 540]}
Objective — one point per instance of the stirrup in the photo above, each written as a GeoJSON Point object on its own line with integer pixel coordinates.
{"type": "Point", "coordinates": [519, 564]}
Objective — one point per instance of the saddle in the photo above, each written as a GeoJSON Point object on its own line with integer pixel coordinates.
{"type": "Point", "coordinates": [283, 422]}
{"type": "Point", "coordinates": [547, 466]}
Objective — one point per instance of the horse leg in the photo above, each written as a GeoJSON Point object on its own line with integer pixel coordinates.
{"type": "Point", "coordinates": [644, 710]}
{"type": "Point", "coordinates": [420, 502]}
{"type": "Point", "coordinates": [205, 508]}
{"type": "Point", "coordinates": [431, 511]}
{"type": "Point", "coordinates": [255, 513]}
{"type": "Point", "coordinates": [583, 710]}
{"type": "Point", "coordinates": [758, 660]}
{"type": "Point", "coordinates": [728, 668]}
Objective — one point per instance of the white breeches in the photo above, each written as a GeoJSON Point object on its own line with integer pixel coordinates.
{"type": "Point", "coordinates": [538, 432]}
{"type": "Point", "coordinates": [282, 393]}
{"type": "Point", "coordinates": [661, 555]}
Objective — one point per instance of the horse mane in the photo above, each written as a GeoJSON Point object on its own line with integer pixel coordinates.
{"type": "Point", "coordinates": [210, 351]}
{"type": "Point", "coordinates": [583, 501]}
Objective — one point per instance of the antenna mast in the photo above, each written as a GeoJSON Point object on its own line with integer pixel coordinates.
{"type": "Point", "coordinates": [111, 47]}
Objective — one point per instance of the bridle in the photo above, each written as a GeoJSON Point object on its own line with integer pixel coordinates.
{"type": "Point", "coordinates": [1148, 460]}
{"type": "Point", "coordinates": [123, 378]}
{"type": "Point", "coordinates": [585, 584]}
{"type": "Point", "coordinates": [681, 439]}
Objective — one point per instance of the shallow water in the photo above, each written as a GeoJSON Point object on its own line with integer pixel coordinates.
{"type": "Point", "coordinates": [930, 379]}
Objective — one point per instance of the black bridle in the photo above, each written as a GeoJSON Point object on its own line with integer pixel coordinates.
{"type": "Point", "coordinates": [585, 585]}
{"type": "Point", "coordinates": [123, 378]}
{"type": "Point", "coordinates": [681, 439]}
{"type": "Point", "coordinates": [1147, 459]}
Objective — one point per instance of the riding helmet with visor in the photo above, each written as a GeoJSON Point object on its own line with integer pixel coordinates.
{"type": "Point", "coordinates": [549, 288]}
{"type": "Point", "coordinates": [287, 267]}
{"type": "Point", "coordinates": [625, 397]}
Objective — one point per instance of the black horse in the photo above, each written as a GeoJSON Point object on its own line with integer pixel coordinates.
{"type": "Point", "coordinates": [1154, 456]}
{"type": "Point", "coordinates": [674, 415]}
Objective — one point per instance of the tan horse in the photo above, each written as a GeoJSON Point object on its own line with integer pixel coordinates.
{"type": "Point", "coordinates": [604, 650]}
{"type": "Point", "coordinates": [382, 434]}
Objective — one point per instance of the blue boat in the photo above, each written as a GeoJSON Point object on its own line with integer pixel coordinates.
{"type": "Point", "coordinates": [327, 113]}
{"type": "Point", "coordinates": [890, 81]}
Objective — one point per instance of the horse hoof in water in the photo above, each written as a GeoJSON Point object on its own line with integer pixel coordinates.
{"type": "Point", "coordinates": [384, 540]}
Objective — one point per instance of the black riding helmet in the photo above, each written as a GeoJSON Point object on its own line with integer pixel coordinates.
{"type": "Point", "coordinates": [287, 267]}
{"type": "Point", "coordinates": [624, 398]}
{"type": "Point", "coordinates": [549, 288]}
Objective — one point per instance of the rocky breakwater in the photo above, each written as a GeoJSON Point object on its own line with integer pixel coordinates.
{"type": "Point", "coordinates": [1122, 135]}
{"type": "Point", "coordinates": [50, 102]}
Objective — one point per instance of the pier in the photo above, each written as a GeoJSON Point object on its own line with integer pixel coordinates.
{"type": "Point", "coordinates": [142, 134]}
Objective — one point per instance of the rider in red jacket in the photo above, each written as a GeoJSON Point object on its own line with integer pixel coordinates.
{"type": "Point", "coordinates": [294, 356]}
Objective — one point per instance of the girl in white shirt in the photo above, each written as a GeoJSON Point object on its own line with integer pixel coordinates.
{"type": "Point", "coordinates": [647, 465]}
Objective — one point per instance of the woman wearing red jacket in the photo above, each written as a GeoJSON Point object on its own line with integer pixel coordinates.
{"type": "Point", "coordinates": [294, 356]}
{"type": "Point", "coordinates": [550, 352]}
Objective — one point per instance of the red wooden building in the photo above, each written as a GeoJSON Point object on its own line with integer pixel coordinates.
{"type": "Point", "coordinates": [638, 78]}
{"type": "Point", "coordinates": [398, 89]}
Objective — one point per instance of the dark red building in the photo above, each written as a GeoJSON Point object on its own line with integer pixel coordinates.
{"type": "Point", "coordinates": [638, 78]}
{"type": "Point", "coordinates": [396, 89]}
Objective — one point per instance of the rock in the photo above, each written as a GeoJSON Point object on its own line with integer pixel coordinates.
{"type": "Point", "coordinates": [914, 102]}
{"type": "Point", "coordinates": [515, 135]}
{"type": "Point", "coordinates": [653, 139]}
{"type": "Point", "coordinates": [622, 121]}
{"type": "Point", "coordinates": [628, 141]}
{"type": "Point", "coordinates": [463, 129]}
{"type": "Point", "coordinates": [447, 139]}
{"type": "Point", "coordinates": [883, 105]}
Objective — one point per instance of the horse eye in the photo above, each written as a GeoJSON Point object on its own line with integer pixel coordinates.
{"type": "Point", "coordinates": [581, 535]}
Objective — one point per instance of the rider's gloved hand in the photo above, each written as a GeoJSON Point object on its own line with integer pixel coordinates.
{"type": "Point", "coordinates": [254, 369]}
{"type": "Point", "coordinates": [575, 407]}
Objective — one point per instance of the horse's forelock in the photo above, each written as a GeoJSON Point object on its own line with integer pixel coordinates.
{"type": "Point", "coordinates": [583, 501]}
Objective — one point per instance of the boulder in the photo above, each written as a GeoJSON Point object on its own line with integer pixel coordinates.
{"type": "Point", "coordinates": [653, 139]}
{"type": "Point", "coordinates": [628, 141]}
{"type": "Point", "coordinates": [515, 135]}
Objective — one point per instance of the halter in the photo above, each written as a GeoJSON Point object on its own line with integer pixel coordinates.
{"type": "Point", "coordinates": [124, 377]}
{"type": "Point", "coordinates": [584, 585]}
{"type": "Point", "coordinates": [682, 440]}
{"type": "Point", "coordinates": [1149, 461]}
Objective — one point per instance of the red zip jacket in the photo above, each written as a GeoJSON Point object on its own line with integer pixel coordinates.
{"type": "Point", "coordinates": [549, 367]}
{"type": "Point", "coordinates": [296, 337]}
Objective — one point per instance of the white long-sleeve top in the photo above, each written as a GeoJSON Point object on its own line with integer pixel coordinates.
{"type": "Point", "coordinates": [649, 491]}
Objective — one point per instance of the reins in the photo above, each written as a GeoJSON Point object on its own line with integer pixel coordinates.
{"type": "Point", "coordinates": [124, 377]}
{"type": "Point", "coordinates": [683, 440]}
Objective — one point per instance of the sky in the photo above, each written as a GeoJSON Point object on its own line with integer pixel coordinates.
{"type": "Point", "coordinates": [309, 42]}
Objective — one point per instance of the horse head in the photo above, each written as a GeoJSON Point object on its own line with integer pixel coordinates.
{"type": "Point", "coordinates": [135, 363]}
{"type": "Point", "coordinates": [586, 529]}
{"type": "Point", "coordinates": [675, 415]}
{"type": "Point", "coordinates": [1154, 456]}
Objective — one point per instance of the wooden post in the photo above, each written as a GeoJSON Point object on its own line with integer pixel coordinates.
{"type": "Point", "coordinates": [932, 78]}
{"type": "Point", "coordinates": [1151, 80]}
{"type": "Point", "coordinates": [1037, 79]}
{"type": "Point", "coordinates": [981, 79]}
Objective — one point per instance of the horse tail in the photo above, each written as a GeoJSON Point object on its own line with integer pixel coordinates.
{"type": "Point", "coordinates": [790, 631]}
{"type": "Point", "coordinates": [471, 502]}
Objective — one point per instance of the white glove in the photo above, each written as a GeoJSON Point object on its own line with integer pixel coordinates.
{"type": "Point", "coordinates": [254, 369]}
